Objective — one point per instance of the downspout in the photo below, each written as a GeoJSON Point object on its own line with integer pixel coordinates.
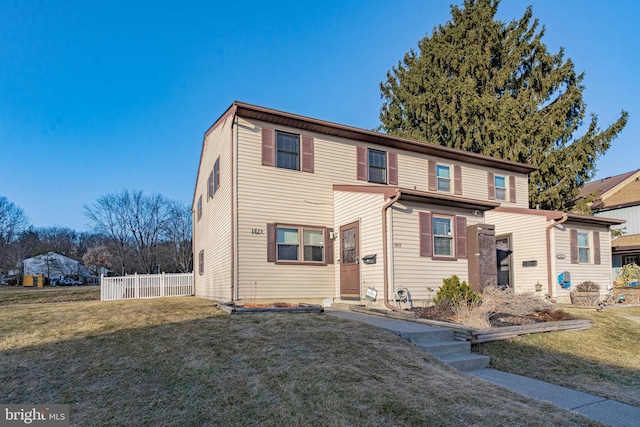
{"type": "Point", "coordinates": [234, 197]}
{"type": "Point", "coordinates": [550, 281]}
{"type": "Point", "coordinates": [385, 253]}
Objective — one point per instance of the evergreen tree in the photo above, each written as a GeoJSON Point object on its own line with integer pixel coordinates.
{"type": "Point", "coordinates": [491, 87]}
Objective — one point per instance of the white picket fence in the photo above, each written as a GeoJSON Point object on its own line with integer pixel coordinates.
{"type": "Point", "coordinates": [146, 286]}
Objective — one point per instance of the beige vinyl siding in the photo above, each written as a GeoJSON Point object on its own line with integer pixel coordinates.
{"type": "Point", "coordinates": [366, 208]}
{"type": "Point", "coordinates": [599, 273]}
{"type": "Point", "coordinates": [411, 270]}
{"type": "Point", "coordinates": [528, 243]}
{"type": "Point", "coordinates": [212, 233]}
{"type": "Point", "coordinates": [273, 195]}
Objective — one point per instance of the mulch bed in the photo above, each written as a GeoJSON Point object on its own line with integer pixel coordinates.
{"type": "Point", "coordinates": [499, 319]}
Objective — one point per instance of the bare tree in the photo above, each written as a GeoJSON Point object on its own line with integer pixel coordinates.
{"type": "Point", "coordinates": [136, 225]}
{"type": "Point", "coordinates": [12, 222]}
{"type": "Point", "coordinates": [148, 219]}
{"type": "Point", "coordinates": [110, 217]}
{"type": "Point", "coordinates": [98, 257]}
{"type": "Point", "coordinates": [179, 229]}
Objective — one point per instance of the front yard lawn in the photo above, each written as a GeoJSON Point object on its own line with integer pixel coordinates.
{"type": "Point", "coordinates": [603, 360]}
{"type": "Point", "coordinates": [181, 361]}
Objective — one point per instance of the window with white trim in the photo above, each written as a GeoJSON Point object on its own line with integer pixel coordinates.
{"type": "Point", "coordinates": [443, 176]}
{"type": "Point", "coordinates": [630, 259]}
{"type": "Point", "coordinates": [300, 244]}
{"type": "Point", "coordinates": [583, 247]}
{"type": "Point", "coordinates": [199, 207]}
{"type": "Point", "coordinates": [500, 183]}
{"type": "Point", "coordinates": [443, 236]}
{"type": "Point", "coordinates": [201, 262]}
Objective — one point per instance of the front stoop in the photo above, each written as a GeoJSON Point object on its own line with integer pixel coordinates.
{"type": "Point", "coordinates": [440, 343]}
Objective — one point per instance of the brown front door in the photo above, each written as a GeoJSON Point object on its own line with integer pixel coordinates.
{"type": "Point", "coordinates": [349, 261]}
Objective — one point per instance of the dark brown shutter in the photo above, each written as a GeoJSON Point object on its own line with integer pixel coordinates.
{"type": "Point", "coordinates": [426, 243]}
{"type": "Point", "coordinates": [574, 246]}
{"type": "Point", "coordinates": [431, 175]}
{"type": "Point", "coordinates": [491, 185]}
{"type": "Point", "coordinates": [461, 237]}
{"type": "Point", "coordinates": [362, 163]}
{"type": "Point", "coordinates": [268, 148]}
{"type": "Point", "coordinates": [217, 177]}
{"type": "Point", "coordinates": [307, 154]}
{"type": "Point", "coordinates": [328, 246]}
{"type": "Point", "coordinates": [596, 248]}
{"type": "Point", "coordinates": [457, 180]}
{"type": "Point", "coordinates": [512, 189]}
{"type": "Point", "coordinates": [393, 168]}
{"type": "Point", "coordinates": [271, 243]}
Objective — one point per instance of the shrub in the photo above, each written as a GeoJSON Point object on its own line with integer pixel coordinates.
{"type": "Point", "coordinates": [454, 290]}
{"type": "Point", "coordinates": [588, 286]}
{"type": "Point", "coordinates": [629, 273]}
{"type": "Point", "coordinates": [475, 312]}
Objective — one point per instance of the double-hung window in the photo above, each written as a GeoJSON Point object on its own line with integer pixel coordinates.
{"type": "Point", "coordinates": [583, 247]}
{"type": "Point", "coordinates": [287, 150]}
{"type": "Point", "coordinates": [443, 174]}
{"type": "Point", "coordinates": [300, 244]}
{"type": "Point", "coordinates": [442, 236]}
{"type": "Point", "coordinates": [201, 262]}
{"type": "Point", "coordinates": [377, 166]}
{"type": "Point", "coordinates": [500, 183]}
{"type": "Point", "coordinates": [199, 208]}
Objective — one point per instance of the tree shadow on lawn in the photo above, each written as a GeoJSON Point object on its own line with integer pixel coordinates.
{"type": "Point", "coordinates": [263, 369]}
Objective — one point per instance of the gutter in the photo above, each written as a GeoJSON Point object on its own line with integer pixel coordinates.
{"type": "Point", "coordinates": [385, 252]}
{"type": "Point", "coordinates": [550, 282]}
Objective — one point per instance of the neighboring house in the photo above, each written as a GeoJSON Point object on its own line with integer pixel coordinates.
{"type": "Point", "coordinates": [54, 266]}
{"type": "Point", "coordinates": [619, 197]}
{"type": "Point", "coordinates": [288, 207]}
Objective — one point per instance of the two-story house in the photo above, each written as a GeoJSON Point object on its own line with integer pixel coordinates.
{"type": "Point", "coordinates": [619, 197]}
{"type": "Point", "coordinates": [288, 207]}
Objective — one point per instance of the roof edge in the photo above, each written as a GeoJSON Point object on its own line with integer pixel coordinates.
{"type": "Point", "coordinates": [330, 128]}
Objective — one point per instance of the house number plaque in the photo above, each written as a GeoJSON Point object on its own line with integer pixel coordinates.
{"type": "Point", "coordinates": [257, 231]}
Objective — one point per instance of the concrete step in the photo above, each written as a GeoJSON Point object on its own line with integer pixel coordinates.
{"type": "Point", "coordinates": [468, 362]}
{"type": "Point", "coordinates": [344, 306]}
{"type": "Point", "coordinates": [447, 348]}
{"type": "Point", "coordinates": [427, 335]}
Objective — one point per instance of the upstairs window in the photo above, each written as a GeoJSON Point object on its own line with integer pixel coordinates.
{"type": "Point", "coordinates": [287, 151]}
{"type": "Point", "coordinates": [199, 208]}
{"type": "Point", "coordinates": [377, 166]}
{"type": "Point", "coordinates": [216, 175]}
{"type": "Point", "coordinates": [444, 178]}
{"type": "Point", "coordinates": [500, 184]}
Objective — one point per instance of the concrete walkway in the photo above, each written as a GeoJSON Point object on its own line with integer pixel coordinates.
{"type": "Point", "coordinates": [606, 411]}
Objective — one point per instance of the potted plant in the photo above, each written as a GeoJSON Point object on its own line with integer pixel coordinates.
{"type": "Point", "coordinates": [586, 293]}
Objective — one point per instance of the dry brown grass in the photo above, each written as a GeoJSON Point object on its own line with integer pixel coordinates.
{"type": "Point", "coordinates": [602, 360]}
{"type": "Point", "coordinates": [179, 361]}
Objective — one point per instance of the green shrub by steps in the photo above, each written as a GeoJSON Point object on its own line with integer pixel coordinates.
{"type": "Point", "coordinates": [454, 290]}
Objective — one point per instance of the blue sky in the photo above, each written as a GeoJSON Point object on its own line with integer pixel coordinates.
{"type": "Point", "coordinates": [96, 97]}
